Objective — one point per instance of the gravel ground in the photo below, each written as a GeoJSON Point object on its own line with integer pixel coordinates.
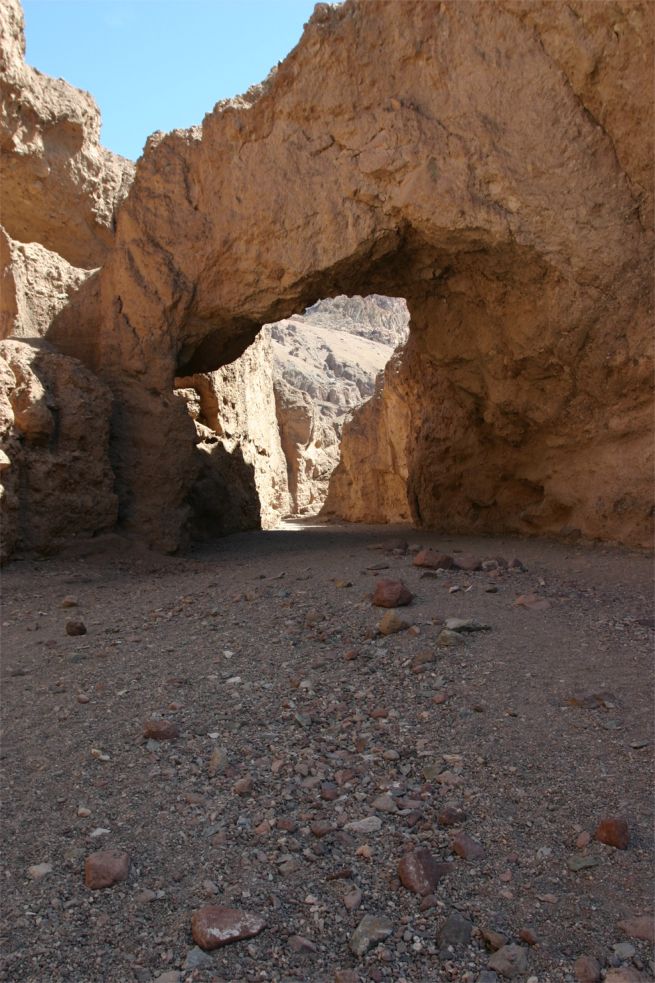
{"type": "Point", "coordinates": [295, 716]}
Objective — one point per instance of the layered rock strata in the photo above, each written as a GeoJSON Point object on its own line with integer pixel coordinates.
{"type": "Point", "coordinates": [491, 163]}
{"type": "Point", "coordinates": [59, 186]}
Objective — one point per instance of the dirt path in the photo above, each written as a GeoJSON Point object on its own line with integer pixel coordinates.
{"type": "Point", "coordinates": [284, 693]}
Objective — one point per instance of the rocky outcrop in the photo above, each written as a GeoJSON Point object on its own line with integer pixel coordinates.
{"type": "Point", "coordinates": [241, 471]}
{"type": "Point", "coordinates": [325, 364]}
{"type": "Point", "coordinates": [59, 186]}
{"type": "Point", "coordinates": [491, 163]}
{"type": "Point", "coordinates": [54, 436]}
{"type": "Point", "coordinates": [35, 284]}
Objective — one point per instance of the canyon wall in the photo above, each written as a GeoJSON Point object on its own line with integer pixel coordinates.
{"type": "Point", "coordinates": [490, 163]}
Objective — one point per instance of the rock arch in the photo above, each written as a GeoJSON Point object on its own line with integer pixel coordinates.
{"type": "Point", "coordinates": [482, 161]}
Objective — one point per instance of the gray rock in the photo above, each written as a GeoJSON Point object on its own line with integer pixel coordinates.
{"type": "Point", "coordinates": [371, 929]}
{"type": "Point", "coordinates": [372, 824]}
{"type": "Point", "coordinates": [197, 959]}
{"type": "Point", "coordinates": [624, 950]}
{"type": "Point", "coordinates": [468, 624]}
{"type": "Point", "coordinates": [456, 930]}
{"type": "Point", "coordinates": [509, 961]}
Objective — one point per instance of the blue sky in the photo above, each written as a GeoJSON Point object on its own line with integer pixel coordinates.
{"type": "Point", "coordinates": [160, 64]}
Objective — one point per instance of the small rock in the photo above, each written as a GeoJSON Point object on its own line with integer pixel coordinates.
{"type": "Point", "coordinates": [583, 840]}
{"type": "Point", "coordinates": [385, 803]}
{"type": "Point", "coordinates": [449, 639]}
{"type": "Point", "coordinates": [624, 950]}
{"type": "Point", "coordinates": [613, 832]}
{"type": "Point", "coordinates": [626, 974]}
{"type": "Point", "coordinates": [593, 700]}
{"type": "Point", "coordinates": [422, 660]}
{"type": "Point", "coordinates": [371, 929]}
{"type": "Point", "coordinates": [371, 824]}
{"type": "Point", "coordinates": [486, 976]}
{"type": "Point", "coordinates": [321, 828]}
{"type": "Point", "coordinates": [586, 969]}
{"type": "Point", "coordinates": [466, 847]}
{"type": "Point", "coordinates": [493, 940]}
{"type": "Point", "coordinates": [170, 976]}
{"type": "Point", "coordinates": [450, 815]}
{"type": "Point", "coordinates": [38, 871]}
{"type": "Point", "coordinates": [528, 935]}
{"type": "Point", "coordinates": [456, 930]}
{"type": "Point", "coordinates": [218, 762]}
{"type": "Point", "coordinates": [353, 899]}
{"type": "Point", "coordinates": [346, 976]}
{"type": "Point", "coordinates": [639, 927]}
{"type": "Point", "coordinates": [106, 868]}
{"type": "Point", "coordinates": [161, 730]}
{"type": "Point", "coordinates": [298, 943]}
{"type": "Point", "coordinates": [432, 560]}
{"type": "Point", "coordinates": [391, 624]}
{"type": "Point", "coordinates": [75, 626]}
{"type": "Point", "coordinates": [197, 959]}
{"type": "Point", "coordinates": [83, 812]}
{"type": "Point", "coordinates": [244, 786]}
{"type": "Point", "coordinates": [511, 960]}
{"type": "Point", "coordinates": [214, 926]}
{"type": "Point", "coordinates": [69, 601]}
{"type": "Point", "coordinates": [578, 863]}
{"type": "Point", "coordinates": [465, 624]}
{"type": "Point", "coordinates": [532, 601]}
{"type": "Point", "coordinates": [420, 872]}
{"type": "Point", "coordinates": [391, 594]}
{"type": "Point", "coordinates": [467, 562]}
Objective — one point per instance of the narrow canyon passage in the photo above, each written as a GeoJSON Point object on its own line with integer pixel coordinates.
{"type": "Point", "coordinates": [313, 754]}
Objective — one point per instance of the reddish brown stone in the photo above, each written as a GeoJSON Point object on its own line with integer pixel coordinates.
{"type": "Point", "coordinates": [75, 627]}
{"type": "Point", "coordinates": [639, 927]}
{"type": "Point", "coordinates": [528, 935]}
{"type": "Point", "coordinates": [161, 730]}
{"type": "Point", "coordinates": [493, 940]}
{"type": "Point", "coordinates": [391, 594]}
{"type": "Point", "coordinates": [432, 560]}
{"type": "Point", "coordinates": [420, 872]}
{"type": "Point", "coordinates": [467, 562]}
{"type": "Point", "coordinates": [586, 969]}
{"type": "Point", "coordinates": [329, 791]}
{"type": "Point", "coordinates": [106, 868]}
{"type": "Point", "coordinates": [214, 926]}
{"type": "Point", "coordinates": [321, 828]}
{"type": "Point", "coordinates": [244, 786]}
{"type": "Point", "coordinates": [391, 624]}
{"type": "Point", "coordinates": [466, 847]}
{"type": "Point", "coordinates": [613, 832]}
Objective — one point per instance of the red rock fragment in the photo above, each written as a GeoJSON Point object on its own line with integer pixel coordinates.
{"type": "Point", "coordinates": [420, 872]}
{"type": "Point", "coordinates": [639, 927]}
{"type": "Point", "coordinates": [161, 730]}
{"type": "Point", "coordinates": [391, 594]}
{"type": "Point", "coordinates": [104, 868]}
{"type": "Point", "coordinates": [613, 832]}
{"type": "Point", "coordinates": [432, 560]}
{"type": "Point", "coordinates": [586, 969]}
{"type": "Point", "coordinates": [214, 926]}
{"type": "Point", "coordinates": [75, 627]}
{"type": "Point", "coordinates": [451, 816]}
{"type": "Point", "coordinates": [528, 935]}
{"type": "Point", "coordinates": [466, 847]}
{"type": "Point", "coordinates": [467, 562]}
{"type": "Point", "coordinates": [532, 601]}
{"type": "Point", "coordinates": [244, 786]}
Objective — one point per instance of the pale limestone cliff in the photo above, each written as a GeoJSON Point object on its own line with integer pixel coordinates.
{"type": "Point", "coordinates": [491, 163]}
{"type": "Point", "coordinates": [58, 186]}
{"type": "Point", "coordinates": [54, 436]}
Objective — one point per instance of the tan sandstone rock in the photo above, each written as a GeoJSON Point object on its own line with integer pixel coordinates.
{"type": "Point", "coordinates": [59, 186]}
{"type": "Point", "coordinates": [54, 434]}
{"type": "Point", "coordinates": [494, 168]}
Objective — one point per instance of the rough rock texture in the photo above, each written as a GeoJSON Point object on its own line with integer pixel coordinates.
{"type": "Point", "coordinates": [34, 286]}
{"type": "Point", "coordinates": [494, 168]}
{"type": "Point", "coordinates": [59, 186]}
{"type": "Point", "coordinates": [325, 364]}
{"type": "Point", "coordinates": [54, 460]}
{"type": "Point", "coordinates": [241, 480]}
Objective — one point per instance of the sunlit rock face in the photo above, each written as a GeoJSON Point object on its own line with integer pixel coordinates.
{"type": "Point", "coordinates": [490, 163]}
{"type": "Point", "coordinates": [59, 186]}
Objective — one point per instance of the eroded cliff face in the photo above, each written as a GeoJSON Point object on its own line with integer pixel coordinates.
{"type": "Point", "coordinates": [241, 471]}
{"type": "Point", "coordinates": [54, 460]}
{"type": "Point", "coordinates": [59, 186]}
{"type": "Point", "coordinates": [491, 163]}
